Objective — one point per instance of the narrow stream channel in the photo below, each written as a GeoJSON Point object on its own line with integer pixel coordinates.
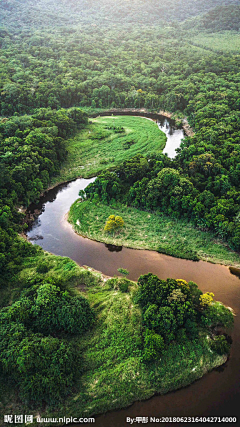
{"type": "Point", "coordinates": [217, 393]}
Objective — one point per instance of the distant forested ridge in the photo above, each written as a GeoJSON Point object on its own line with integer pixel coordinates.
{"type": "Point", "coordinates": [63, 12]}
{"type": "Point", "coordinates": [222, 17]}
{"type": "Point", "coordinates": [62, 54]}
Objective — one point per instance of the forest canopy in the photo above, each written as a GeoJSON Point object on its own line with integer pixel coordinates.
{"type": "Point", "coordinates": [60, 60]}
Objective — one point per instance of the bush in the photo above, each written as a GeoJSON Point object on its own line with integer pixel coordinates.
{"type": "Point", "coordinates": [206, 299]}
{"type": "Point", "coordinates": [153, 346]}
{"type": "Point", "coordinates": [123, 285]}
{"type": "Point", "coordinates": [123, 271]}
{"type": "Point", "coordinates": [86, 277]}
{"type": "Point", "coordinates": [112, 283]}
{"type": "Point", "coordinates": [44, 368]}
{"type": "Point", "coordinates": [42, 268]}
{"type": "Point", "coordinates": [220, 345]}
{"type": "Point", "coordinates": [217, 315]}
{"type": "Point", "coordinates": [113, 223]}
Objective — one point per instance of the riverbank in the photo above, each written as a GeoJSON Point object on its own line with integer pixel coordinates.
{"type": "Point", "coordinates": [180, 121]}
{"type": "Point", "coordinates": [153, 231]}
{"type": "Point", "coordinates": [112, 374]}
{"type": "Point", "coordinates": [106, 142]}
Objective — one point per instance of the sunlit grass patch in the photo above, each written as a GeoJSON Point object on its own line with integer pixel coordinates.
{"type": "Point", "coordinates": [101, 145]}
{"type": "Point", "coordinates": [145, 230]}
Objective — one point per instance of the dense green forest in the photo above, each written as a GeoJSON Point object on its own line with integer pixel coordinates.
{"type": "Point", "coordinates": [59, 59]}
{"type": "Point", "coordinates": [153, 67]}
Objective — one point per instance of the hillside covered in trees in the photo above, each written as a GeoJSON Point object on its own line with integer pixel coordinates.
{"type": "Point", "coordinates": [61, 60]}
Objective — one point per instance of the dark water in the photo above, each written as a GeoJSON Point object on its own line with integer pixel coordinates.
{"type": "Point", "coordinates": [217, 393]}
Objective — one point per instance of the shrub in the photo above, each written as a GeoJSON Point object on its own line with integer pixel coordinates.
{"type": "Point", "coordinates": [217, 315]}
{"type": "Point", "coordinates": [206, 299]}
{"type": "Point", "coordinates": [86, 277]}
{"type": "Point", "coordinates": [123, 271]}
{"type": "Point", "coordinates": [123, 285]}
{"type": "Point", "coordinates": [220, 345]}
{"type": "Point", "coordinates": [113, 223]}
{"type": "Point", "coordinates": [153, 346]}
{"type": "Point", "coordinates": [112, 283]}
{"type": "Point", "coordinates": [42, 268]}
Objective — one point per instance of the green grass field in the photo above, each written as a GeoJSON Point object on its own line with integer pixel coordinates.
{"type": "Point", "coordinates": [108, 141]}
{"type": "Point", "coordinates": [112, 373]}
{"type": "Point", "coordinates": [226, 42]}
{"type": "Point", "coordinates": [144, 230]}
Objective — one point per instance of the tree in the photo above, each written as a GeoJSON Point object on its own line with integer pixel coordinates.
{"type": "Point", "coordinates": [206, 299]}
{"type": "Point", "coordinates": [220, 345]}
{"type": "Point", "coordinates": [113, 223]}
{"type": "Point", "coordinates": [51, 310]}
{"type": "Point", "coordinates": [153, 346]}
{"type": "Point", "coordinates": [42, 367]}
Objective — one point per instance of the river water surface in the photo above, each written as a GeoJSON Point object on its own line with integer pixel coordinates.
{"type": "Point", "coordinates": [217, 393]}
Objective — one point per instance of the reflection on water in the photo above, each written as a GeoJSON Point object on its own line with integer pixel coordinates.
{"type": "Point", "coordinates": [174, 137]}
{"type": "Point", "coordinates": [113, 248]}
{"type": "Point", "coordinates": [235, 271]}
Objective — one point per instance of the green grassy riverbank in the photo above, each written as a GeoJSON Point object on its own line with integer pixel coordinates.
{"type": "Point", "coordinates": [154, 231]}
{"type": "Point", "coordinates": [106, 142]}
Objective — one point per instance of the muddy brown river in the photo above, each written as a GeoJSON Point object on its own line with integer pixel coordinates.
{"type": "Point", "coordinates": [218, 392]}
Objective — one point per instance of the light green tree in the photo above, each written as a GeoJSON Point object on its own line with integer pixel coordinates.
{"type": "Point", "coordinates": [113, 223]}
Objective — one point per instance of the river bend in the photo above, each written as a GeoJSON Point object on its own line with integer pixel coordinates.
{"type": "Point", "coordinates": [216, 394]}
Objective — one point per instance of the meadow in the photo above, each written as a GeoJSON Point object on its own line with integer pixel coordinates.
{"type": "Point", "coordinates": [106, 142]}
{"type": "Point", "coordinates": [148, 230]}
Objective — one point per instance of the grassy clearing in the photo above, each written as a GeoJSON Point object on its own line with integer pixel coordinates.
{"type": "Point", "coordinates": [225, 42]}
{"type": "Point", "coordinates": [113, 375]}
{"type": "Point", "coordinates": [144, 230]}
{"type": "Point", "coordinates": [108, 141]}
